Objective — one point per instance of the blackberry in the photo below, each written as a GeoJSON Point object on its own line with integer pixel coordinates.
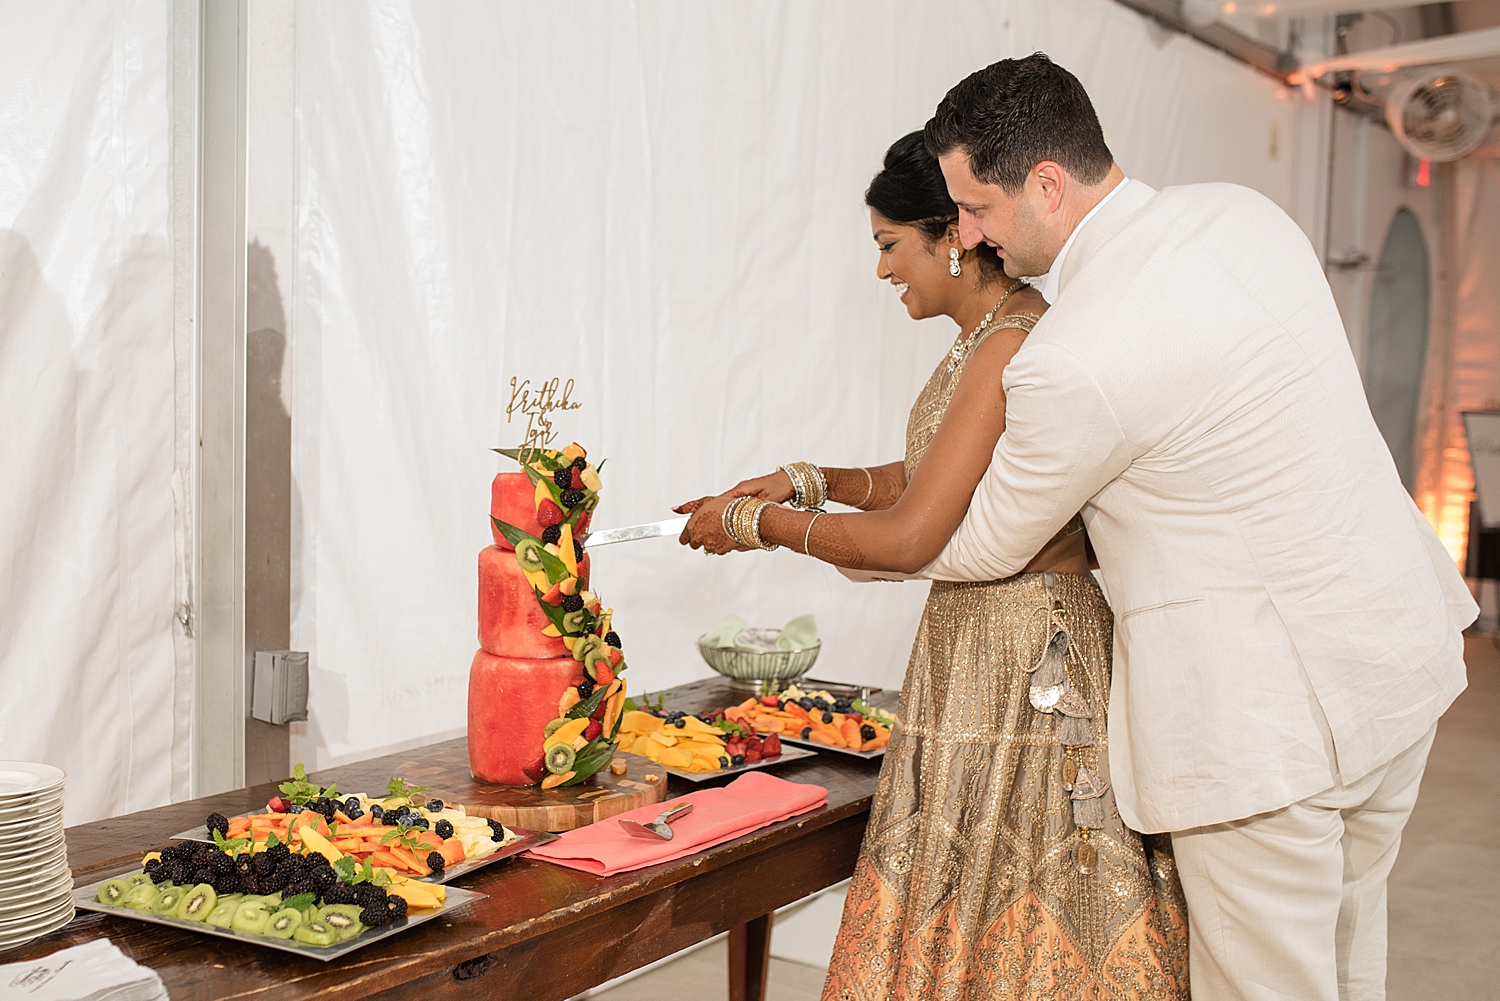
{"type": "Point", "coordinates": [580, 463]}
{"type": "Point", "coordinates": [613, 639]}
{"type": "Point", "coordinates": [325, 806]}
{"type": "Point", "coordinates": [563, 478]}
{"type": "Point", "coordinates": [376, 915]}
{"type": "Point", "coordinates": [435, 861]}
{"type": "Point", "coordinates": [867, 732]}
{"type": "Point", "coordinates": [338, 893]}
{"type": "Point", "coordinates": [217, 822]}
{"type": "Point", "coordinates": [277, 852]}
{"type": "Point", "coordinates": [202, 874]}
{"type": "Point", "coordinates": [397, 907]}
{"type": "Point", "coordinates": [242, 867]}
{"type": "Point", "coordinates": [577, 551]}
{"type": "Point", "coordinates": [571, 497]}
{"type": "Point", "coordinates": [497, 830]}
{"type": "Point", "coordinates": [368, 893]}
{"type": "Point", "coordinates": [323, 878]}
{"type": "Point", "coordinates": [225, 883]}
{"type": "Point", "coordinates": [264, 863]}
{"type": "Point", "coordinates": [552, 535]}
{"type": "Point", "coordinates": [204, 855]}
{"type": "Point", "coordinates": [572, 603]}
{"type": "Point", "coordinates": [159, 875]}
{"type": "Point", "coordinates": [444, 829]}
{"type": "Point", "coordinates": [178, 874]}
{"type": "Point", "coordinates": [299, 886]}
{"type": "Point", "coordinates": [153, 864]}
{"type": "Point", "coordinates": [585, 687]}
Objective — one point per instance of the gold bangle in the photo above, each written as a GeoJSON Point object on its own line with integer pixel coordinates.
{"type": "Point", "coordinates": [727, 518]}
{"type": "Point", "coordinates": [807, 536]}
{"type": "Point", "coordinates": [760, 543]}
{"type": "Point", "coordinates": [870, 489]}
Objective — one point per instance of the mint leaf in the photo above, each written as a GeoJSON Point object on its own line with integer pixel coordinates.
{"type": "Point", "coordinates": [346, 869]}
{"type": "Point", "coordinates": [272, 840]}
{"type": "Point", "coordinates": [300, 901]}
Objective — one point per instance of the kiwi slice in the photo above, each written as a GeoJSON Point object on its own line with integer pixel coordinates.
{"type": "Point", "coordinates": [554, 726]}
{"type": "Point", "coordinates": [112, 891]}
{"type": "Point", "coordinates": [140, 897]}
{"type": "Point", "coordinates": [317, 933]}
{"type": "Point", "coordinates": [560, 758]}
{"type": "Point", "coordinates": [591, 659]}
{"type": "Point", "coordinates": [572, 622]}
{"type": "Point", "coordinates": [198, 903]}
{"type": "Point", "coordinates": [167, 900]}
{"type": "Point", "coordinates": [223, 913]}
{"type": "Point", "coordinates": [251, 916]}
{"type": "Point", "coordinates": [137, 878]}
{"type": "Point", "coordinates": [529, 554]}
{"type": "Point", "coordinates": [284, 923]}
{"type": "Point", "coordinates": [343, 919]}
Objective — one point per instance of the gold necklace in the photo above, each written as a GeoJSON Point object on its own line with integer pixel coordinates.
{"type": "Point", "coordinates": [964, 345]}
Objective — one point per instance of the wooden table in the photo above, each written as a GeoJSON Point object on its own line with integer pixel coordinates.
{"type": "Point", "coordinates": [544, 933]}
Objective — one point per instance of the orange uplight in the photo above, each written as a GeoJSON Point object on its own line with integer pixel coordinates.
{"type": "Point", "coordinates": [1424, 172]}
{"type": "Point", "coordinates": [1231, 7]}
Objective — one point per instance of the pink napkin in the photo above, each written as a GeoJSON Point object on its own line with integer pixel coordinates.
{"type": "Point", "coordinates": [753, 800]}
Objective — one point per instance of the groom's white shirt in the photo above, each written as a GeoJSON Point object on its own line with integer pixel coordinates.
{"type": "Point", "coordinates": [1284, 615]}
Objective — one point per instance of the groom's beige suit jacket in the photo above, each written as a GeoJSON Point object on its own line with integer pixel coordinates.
{"type": "Point", "coordinates": [1284, 615]}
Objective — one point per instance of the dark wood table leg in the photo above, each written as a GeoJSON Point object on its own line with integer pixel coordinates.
{"type": "Point", "coordinates": [750, 959]}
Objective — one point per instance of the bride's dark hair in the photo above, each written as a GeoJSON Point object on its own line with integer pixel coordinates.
{"type": "Point", "coordinates": [910, 190]}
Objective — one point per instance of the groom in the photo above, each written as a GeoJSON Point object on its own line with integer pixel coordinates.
{"type": "Point", "coordinates": [1287, 625]}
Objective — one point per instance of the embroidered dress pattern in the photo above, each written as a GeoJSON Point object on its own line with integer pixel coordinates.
{"type": "Point", "coordinates": [970, 884]}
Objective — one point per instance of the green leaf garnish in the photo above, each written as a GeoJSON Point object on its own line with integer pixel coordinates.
{"type": "Point", "coordinates": [397, 787]}
{"type": "Point", "coordinates": [586, 707]}
{"type": "Point", "coordinates": [300, 901]}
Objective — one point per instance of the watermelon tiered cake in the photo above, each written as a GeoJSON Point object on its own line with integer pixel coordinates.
{"type": "Point", "coordinates": [545, 696]}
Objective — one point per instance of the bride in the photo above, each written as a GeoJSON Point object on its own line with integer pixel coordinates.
{"type": "Point", "coordinates": [994, 864]}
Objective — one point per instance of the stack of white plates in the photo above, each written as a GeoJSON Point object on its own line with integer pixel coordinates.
{"type": "Point", "coordinates": [36, 885]}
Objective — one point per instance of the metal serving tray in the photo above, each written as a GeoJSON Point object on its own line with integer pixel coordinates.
{"type": "Point", "coordinates": [83, 899]}
{"type": "Point", "coordinates": [787, 754]}
{"type": "Point", "coordinates": [525, 841]}
{"type": "Point", "coordinates": [877, 753]}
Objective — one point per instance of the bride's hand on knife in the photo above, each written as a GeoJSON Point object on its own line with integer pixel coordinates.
{"type": "Point", "coordinates": [705, 530]}
{"type": "Point", "coordinates": [776, 488]}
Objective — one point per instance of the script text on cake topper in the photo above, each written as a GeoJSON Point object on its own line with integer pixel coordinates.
{"type": "Point", "coordinates": [537, 404]}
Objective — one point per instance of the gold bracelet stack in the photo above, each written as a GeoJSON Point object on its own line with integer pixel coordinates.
{"type": "Point", "coordinates": [809, 485]}
{"type": "Point", "coordinates": [741, 521]}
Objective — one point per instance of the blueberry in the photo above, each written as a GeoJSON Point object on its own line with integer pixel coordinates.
{"type": "Point", "coordinates": [867, 732]}
{"type": "Point", "coordinates": [806, 732]}
{"type": "Point", "coordinates": [805, 702]}
{"type": "Point", "coordinates": [352, 803]}
{"type": "Point", "coordinates": [680, 723]}
{"type": "Point", "coordinates": [738, 759]}
{"type": "Point", "coordinates": [434, 804]}
{"type": "Point", "coordinates": [723, 761]}
{"type": "Point", "coordinates": [820, 703]}
{"type": "Point", "coordinates": [294, 808]}
{"type": "Point", "coordinates": [827, 717]}
{"type": "Point", "coordinates": [377, 811]}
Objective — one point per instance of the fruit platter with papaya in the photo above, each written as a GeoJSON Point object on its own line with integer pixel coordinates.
{"type": "Point", "coordinates": [298, 893]}
{"type": "Point", "coordinates": [817, 719]}
{"type": "Point", "coordinates": [404, 832]}
{"type": "Point", "coordinates": [698, 747]}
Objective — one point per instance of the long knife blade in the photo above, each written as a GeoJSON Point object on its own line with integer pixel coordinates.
{"type": "Point", "coordinates": [651, 530]}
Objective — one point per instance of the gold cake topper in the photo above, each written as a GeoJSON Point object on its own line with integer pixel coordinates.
{"type": "Point", "coordinates": [538, 404]}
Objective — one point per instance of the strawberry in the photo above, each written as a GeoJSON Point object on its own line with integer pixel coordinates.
{"type": "Point", "coordinates": [770, 700]}
{"type": "Point", "coordinates": [577, 483]}
{"type": "Point", "coordinates": [277, 805]}
{"type": "Point", "coordinates": [548, 513]}
{"type": "Point", "coordinates": [615, 656]}
{"type": "Point", "coordinates": [604, 672]}
{"type": "Point", "coordinates": [555, 596]}
{"type": "Point", "coordinates": [582, 528]}
{"type": "Point", "coordinates": [752, 756]}
{"type": "Point", "coordinates": [771, 746]}
{"type": "Point", "coordinates": [594, 729]}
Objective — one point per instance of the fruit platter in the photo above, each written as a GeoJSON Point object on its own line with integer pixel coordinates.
{"type": "Point", "coordinates": [404, 832]}
{"type": "Point", "coordinates": [819, 720]}
{"type": "Point", "coordinates": [699, 747]}
{"type": "Point", "coordinates": [319, 904]}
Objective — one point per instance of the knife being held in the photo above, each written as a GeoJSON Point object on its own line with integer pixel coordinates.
{"type": "Point", "coordinates": [650, 530]}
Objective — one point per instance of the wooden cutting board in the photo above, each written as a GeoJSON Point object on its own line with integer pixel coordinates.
{"type": "Point", "coordinates": [601, 797]}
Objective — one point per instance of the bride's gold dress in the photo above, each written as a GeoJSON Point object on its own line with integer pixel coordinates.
{"type": "Point", "coordinates": [974, 882]}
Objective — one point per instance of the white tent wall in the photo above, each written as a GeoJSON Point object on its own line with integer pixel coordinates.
{"type": "Point", "coordinates": [95, 405]}
{"type": "Point", "coordinates": [660, 201]}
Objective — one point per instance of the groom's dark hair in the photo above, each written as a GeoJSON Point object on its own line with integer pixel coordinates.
{"type": "Point", "coordinates": [1012, 115]}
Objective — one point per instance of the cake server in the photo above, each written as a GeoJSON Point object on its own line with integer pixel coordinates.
{"type": "Point", "coordinates": [650, 530]}
{"type": "Point", "coordinates": [658, 828]}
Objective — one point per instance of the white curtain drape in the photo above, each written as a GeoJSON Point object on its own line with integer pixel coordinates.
{"type": "Point", "coordinates": [662, 202]}
{"type": "Point", "coordinates": [88, 383]}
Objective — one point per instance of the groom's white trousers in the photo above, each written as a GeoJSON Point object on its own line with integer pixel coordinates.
{"type": "Point", "coordinates": [1291, 904]}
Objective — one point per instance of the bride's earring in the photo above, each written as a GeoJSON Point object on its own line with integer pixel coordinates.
{"type": "Point", "coordinates": [954, 268]}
